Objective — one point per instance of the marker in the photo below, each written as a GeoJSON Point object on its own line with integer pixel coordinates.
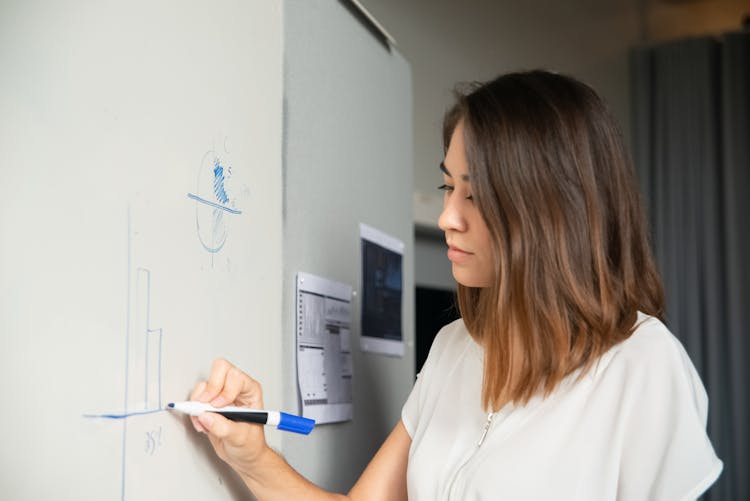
{"type": "Point", "coordinates": [281, 420]}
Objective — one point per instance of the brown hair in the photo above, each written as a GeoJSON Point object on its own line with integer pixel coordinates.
{"type": "Point", "coordinates": [556, 188]}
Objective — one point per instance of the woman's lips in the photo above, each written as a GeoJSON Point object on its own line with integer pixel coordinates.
{"type": "Point", "coordinates": [458, 255]}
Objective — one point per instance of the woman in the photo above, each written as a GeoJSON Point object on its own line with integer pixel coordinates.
{"type": "Point", "coordinates": [560, 381]}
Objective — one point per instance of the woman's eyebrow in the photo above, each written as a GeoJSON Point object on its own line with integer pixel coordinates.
{"type": "Point", "coordinates": [445, 170]}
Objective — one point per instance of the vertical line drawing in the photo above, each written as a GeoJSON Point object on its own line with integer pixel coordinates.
{"type": "Point", "coordinates": [127, 361]}
{"type": "Point", "coordinates": [143, 316]}
{"type": "Point", "coordinates": [151, 339]}
{"type": "Point", "coordinates": [144, 345]}
{"type": "Point", "coordinates": [153, 366]}
{"type": "Point", "coordinates": [143, 353]}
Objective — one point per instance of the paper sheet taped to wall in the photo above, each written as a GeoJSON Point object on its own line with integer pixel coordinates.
{"type": "Point", "coordinates": [324, 355]}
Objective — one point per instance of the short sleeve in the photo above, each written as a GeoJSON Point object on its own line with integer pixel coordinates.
{"type": "Point", "coordinates": [410, 410]}
{"type": "Point", "coordinates": [666, 453]}
{"type": "Point", "coordinates": [441, 346]}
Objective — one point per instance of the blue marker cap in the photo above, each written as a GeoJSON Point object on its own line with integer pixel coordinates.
{"type": "Point", "coordinates": [296, 424]}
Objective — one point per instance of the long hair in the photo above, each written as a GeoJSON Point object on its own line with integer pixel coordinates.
{"type": "Point", "coordinates": [573, 265]}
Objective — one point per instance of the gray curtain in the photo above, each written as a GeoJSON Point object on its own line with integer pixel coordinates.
{"type": "Point", "coordinates": [691, 142]}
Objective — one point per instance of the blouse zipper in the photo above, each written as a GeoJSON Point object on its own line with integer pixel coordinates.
{"type": "Point", "coordinates": [486, 428]}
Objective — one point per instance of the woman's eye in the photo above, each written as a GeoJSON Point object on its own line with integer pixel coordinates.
{"type": "Point", "coordinates": [445, 187]}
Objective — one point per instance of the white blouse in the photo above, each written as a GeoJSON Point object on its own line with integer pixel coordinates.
{"type": "Point", "coordinates": [633, 429]}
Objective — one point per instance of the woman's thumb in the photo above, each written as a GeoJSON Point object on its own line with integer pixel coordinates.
{"type": "Point", "coordinates": [214, 424]}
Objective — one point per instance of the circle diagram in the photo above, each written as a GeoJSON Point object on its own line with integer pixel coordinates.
{"type": "Point", "coordinates": [214, 204]}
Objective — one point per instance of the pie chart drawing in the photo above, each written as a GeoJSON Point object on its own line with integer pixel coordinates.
{"type": "Point", "coordinates": [213, 202]}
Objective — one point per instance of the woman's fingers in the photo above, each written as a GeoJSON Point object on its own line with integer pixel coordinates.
{"type": "Point", "coordinates": [215, 384]}
{"type": "Point", "coordinates": [221, 428]}
{"type": "Point", "coordinates": [199, 389]}
{"type": "Point", "coordinates": [240, 389]}
{"type": "Point", "coordinates": [226, 385]}
{"type": "Point", "coordinates": [239, 444]}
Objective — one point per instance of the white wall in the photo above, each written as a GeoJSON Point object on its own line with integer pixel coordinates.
{"type": "Point", "coordinates": [663, 20]}
{"type": "Point", "coordinates": [447, 41]}
{"type": "Point", "coordinates": [347, 159]}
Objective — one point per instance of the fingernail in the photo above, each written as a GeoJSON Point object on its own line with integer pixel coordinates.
{"type": "Point", "coordinates": [219, 402]}
{"type": "Point", "coordinates": [206, 419]}
{"type": "Point", "coordinates": [197, 425]}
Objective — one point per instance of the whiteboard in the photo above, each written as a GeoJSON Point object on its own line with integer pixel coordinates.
{"type": "Point", "coordinates": [140, 214]}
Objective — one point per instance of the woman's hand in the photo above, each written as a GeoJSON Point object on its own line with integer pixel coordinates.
{"type": "Point", "coordinates": [269, 477]}
{"type": "Point", "coordinates": [240, 445]}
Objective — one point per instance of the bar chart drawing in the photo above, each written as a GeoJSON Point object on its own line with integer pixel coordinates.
{"type": "Point", "coordinates": [145, 349]}
{"type": "Point", "coordinates": [143, 376]}
{"type": "Point", "coordinates": [144, 345]}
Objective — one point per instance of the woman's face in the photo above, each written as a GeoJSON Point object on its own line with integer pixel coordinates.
{"type": "Point", "coordinates": [468, 238]}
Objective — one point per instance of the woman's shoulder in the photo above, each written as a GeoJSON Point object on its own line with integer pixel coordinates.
{"type": "Point", "coordinates": [451, 339]}
{"type": "Point", "coordinates": [662, 413]}
{"type": "Point", "coordinates": [452, 331]}
{"type": "Point", "coordinates": [652, 361]}
{"type": "Point", "coordinates": [650, 344]}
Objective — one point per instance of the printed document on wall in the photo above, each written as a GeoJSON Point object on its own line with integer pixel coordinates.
{"type": "Point", "coordinates": [324, 353]}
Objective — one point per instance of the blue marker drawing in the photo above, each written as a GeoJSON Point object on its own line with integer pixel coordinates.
{"type": "Point", "coordinates": [221, 194]}
{"type": "Point", "coordinates": [143, 365]}
{"type": "Point", "coordinates": [122, 416]}
{"type": "Point", "coordinates": [127, 361]}
{"type": "Point", "coordinates": [144, 343]}
{"type": "Point", "coordinates": [213, 204]}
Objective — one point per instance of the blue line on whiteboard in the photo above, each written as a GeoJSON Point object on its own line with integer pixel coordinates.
{"type": "Point", "coordinates": [123, 415]}
{"type": "Point", "coordinates": [127, 362]}
{"type": "Point", "coordinates": [213, 204]}
{"type": "Point", "coordinates": [149, 334]}
{"type": "Point", "coordinates": [221, 195]}
{"type": "Point", "coordinates": [160, 347]}
{"type": "Point", "coordinates": [151, 339]}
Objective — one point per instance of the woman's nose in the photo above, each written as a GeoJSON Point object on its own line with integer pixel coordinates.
{"type": "Point", "coordinates": [452, 218]}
